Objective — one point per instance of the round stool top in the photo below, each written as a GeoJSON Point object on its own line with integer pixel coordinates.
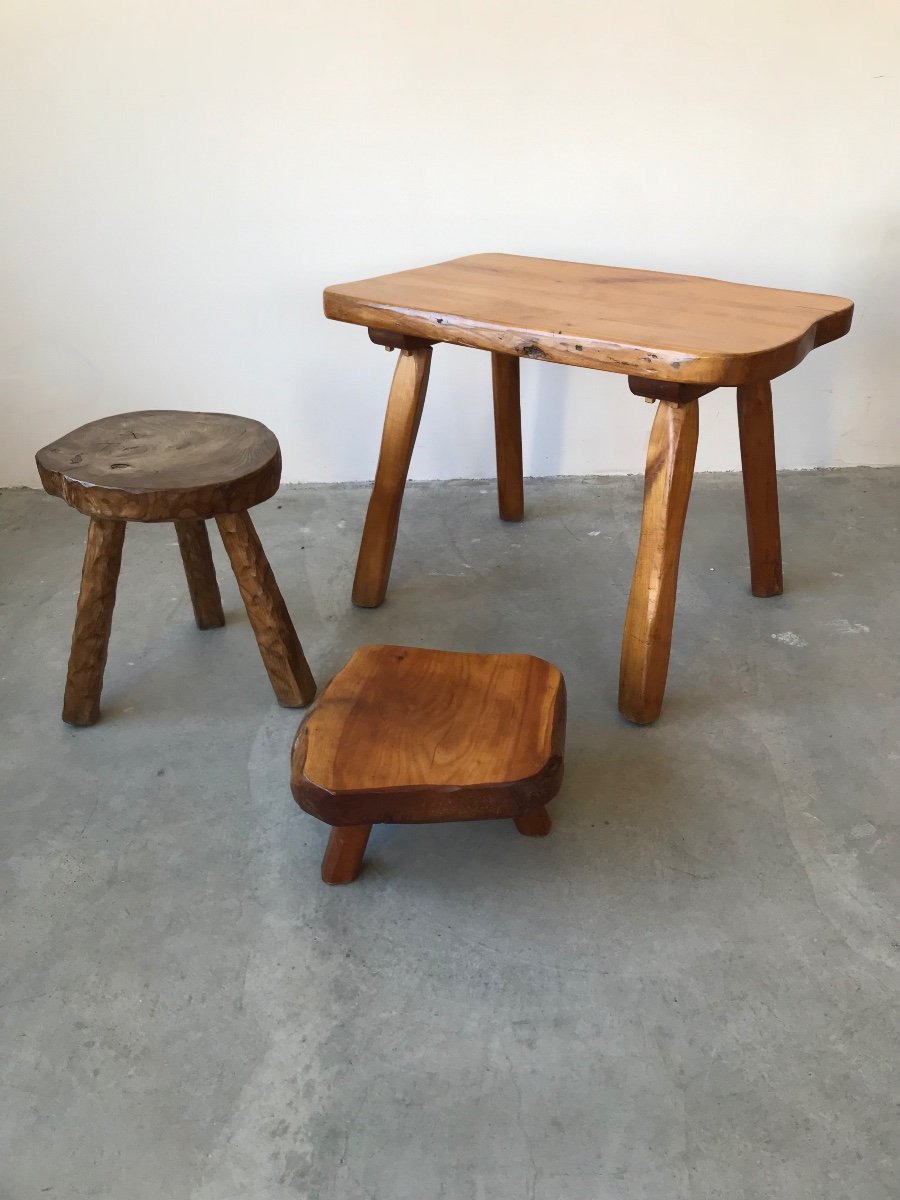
{"type": "Point", "coordinates": [163, 465]}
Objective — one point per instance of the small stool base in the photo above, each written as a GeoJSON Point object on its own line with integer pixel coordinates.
{"type": "Point", "coordinates": [409, 736]}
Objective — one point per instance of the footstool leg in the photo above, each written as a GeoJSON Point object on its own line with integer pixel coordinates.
{"type": "Point", "coordinates": [93, 620]}
{"type": "Point", "coordinates": [757, 433]}
{"type": "Point", "coordinates": [508, 436]}
{"type": "Point", "coordinates": [344, 853]}
{"type": "Point", "coordinates": [534, 824]}
{"type": "Point", "coordinates": [276, 637]}
{"type": "Point", "coordinates": [647, 638]}
{"type": "Point", "coordinates": [193, 541]}
{"type": "Point", "coordinates": [401, 424]}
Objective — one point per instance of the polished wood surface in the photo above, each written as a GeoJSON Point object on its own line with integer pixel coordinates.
{"type": "Point", "coordinates": [401, 424]}
{"type": "Point", "coordinates": [676, 337]}
{"type": "Point", "coordinates": [93, 621]}
{"type": "Point", "coordinates": [279, 646]}
{"type": "Point", "coordinates": [196, 459]}
{"type": "Point", "coordinates": [403, 734]}
{"type": "Point", "coordinates": [163, 465]}
{"type": "Point", "coordinates": [661, 326]}
{"type": "Point", "coordinates": [757, 435]}
{"type": "Point", "coordinates": [196, 554]}
{"type": "Point", "coordinates": [647, 639]}
{"type": "Point", "coordinates": [344, 853]}
{"type": "Point", "coordinates": [508, 436]}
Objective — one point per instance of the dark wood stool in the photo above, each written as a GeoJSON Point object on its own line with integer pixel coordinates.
{"type": "Point", "coordinates": [182, 467]}
{"type": "Point", "coordinates": [403, 736]}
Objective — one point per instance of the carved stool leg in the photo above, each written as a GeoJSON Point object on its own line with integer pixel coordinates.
{"type": "Point", "coordinates": [757, 433]}
{"type": "Point", "coordinates": [534, 824]}
{"type": "Point", "coordinates": [193, 541]}
{"type": "Point", "coordinates": [93, 620]}
{"type": "Point", "coordinates": [344, 853]}
{"type": "Point", "coordinates": [508, 436]}
{"type": "Point", "coordinates": [401, 424]}
{"type": "Point", "coordinates": [647, 638]}
{"type": "Point", "coordinates": [276, 637]}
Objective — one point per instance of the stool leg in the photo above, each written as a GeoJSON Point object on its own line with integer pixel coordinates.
{"type": "Point", "coordinates": [276, 637]}
{"type": "Point", "coordinates": [647, 639]}
{"type": "Point", "coordinates": [401, 424]}
{"type": "Point", "coordinates": [508, 436]}
{"type": "Point", "coordinates": [193, 541]}
{"type": "Point", "coordinates": [344, 853]}
{"type": "Point", "coordinates": [534, 824]}
{"type": "Point", "coordinates": [93, 620]}
{"type": "Point", "coordinates": [757, 434]}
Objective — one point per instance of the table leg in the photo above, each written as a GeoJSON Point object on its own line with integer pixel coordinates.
{"type": "Point", "coordinates": [401, 424]}
{"type": "Point", "coordinates": [508, 436]}
{"type": "Point", "coordinates": [647, 638]}
{"type": "Point", "coordinates": [757, 433]}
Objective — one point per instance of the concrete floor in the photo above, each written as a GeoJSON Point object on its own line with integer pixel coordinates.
{"type": "Point", "coordinates": [689, 990]}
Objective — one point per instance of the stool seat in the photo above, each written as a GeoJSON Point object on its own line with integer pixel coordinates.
{"type": "Point", "coordinates": [408, 735]}
{"type": "Point", "coordinates": [163, 465]}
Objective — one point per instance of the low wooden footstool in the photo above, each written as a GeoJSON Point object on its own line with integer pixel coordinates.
{"type": "Point", "coordinates": [182, 467]}
{"type": "Point", "coordinates": [407, 736]}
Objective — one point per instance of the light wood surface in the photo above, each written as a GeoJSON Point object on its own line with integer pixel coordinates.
{"type": "Point", "coordinates": [279, 646]}
{"type": "Point", "coordinates": [403, 734]}
{"type": "Point", "coordinates": [647, 639]}
{"type": "Point", "coordinates": [163, 465]}
{"type": "Point", "coordinates": [681, 328]}
{"type": "Point", "coordinates": [677, 337]}
{"type": "Point", "coordinates": [757, 436]}
{"type": "Point", "coordinates": [508, 437]}
{"type": "Point", "coordinates": [93, 621]}
{"type": "Point", "coordinates": [401, 424]}
{"type": "Point", "coordinates": [196, 554]}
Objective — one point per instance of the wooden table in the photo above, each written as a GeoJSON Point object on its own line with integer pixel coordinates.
{"type": "Point", "coordinates": [676, 337]}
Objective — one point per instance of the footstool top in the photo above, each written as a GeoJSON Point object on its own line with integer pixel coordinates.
{"type": "Point", "coordinates": [408, 734]}
{"type": "Point", "coordinates": [679, 328]}
{"type": "Point", "coordinates": [163, 465]}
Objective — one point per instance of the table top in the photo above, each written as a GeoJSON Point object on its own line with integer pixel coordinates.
{"type": "Point", "coordinates": [681, 328]}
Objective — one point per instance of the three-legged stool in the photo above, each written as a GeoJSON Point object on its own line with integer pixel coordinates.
{"type": "Point", "coordinates": [182, 467]}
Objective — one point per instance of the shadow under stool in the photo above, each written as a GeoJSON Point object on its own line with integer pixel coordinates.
{"type": "Point", "coordinates": [185, 468]}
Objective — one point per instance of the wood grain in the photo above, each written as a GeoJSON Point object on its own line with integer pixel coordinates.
{"type": "Point", "coordinates": [647, 639]}
{"type": "Point", "coordinates": [276, 637]}
{"type": "Point", "coordinates": [344, 853]}
{"type": "Point", "coordinates": [93, 621]}
{"type": "Point", "coordinates": [401, 424]}
{"type": "Point", "coordinates": [757, 435]}
{"type": "Point", "coordinates": [193, 541]}
{"type": "Point", "coordinates": [403, 734]}
{"type": "Point", "coordinates": [508, 436]}
{"type": "Point", "coordinates": [163, 465]}
{"type": "Point", "coordinates": [681, 328]}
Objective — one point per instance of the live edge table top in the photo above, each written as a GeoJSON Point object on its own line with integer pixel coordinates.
{"type": "Point", "coordinates": [678, 328]}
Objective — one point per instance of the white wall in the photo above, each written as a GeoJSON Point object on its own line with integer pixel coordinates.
{"type": "Point", "coordinates": [180, 178]}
